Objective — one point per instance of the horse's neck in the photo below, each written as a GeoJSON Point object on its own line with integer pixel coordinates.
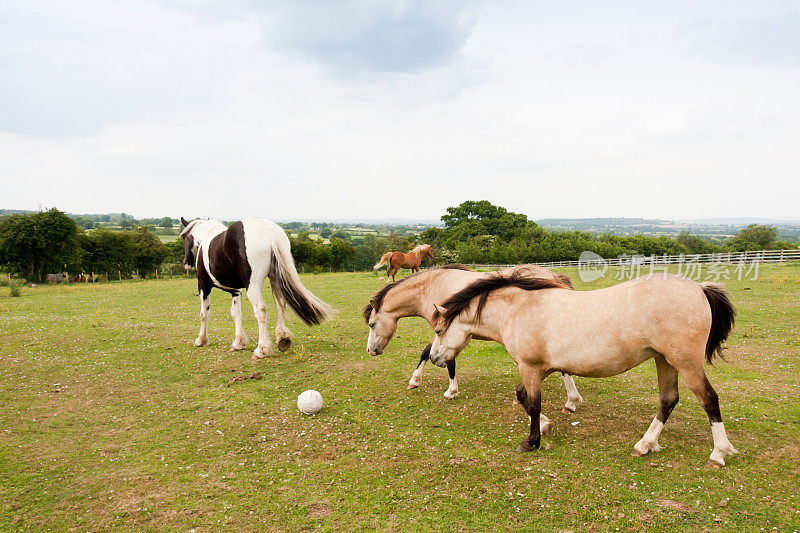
{"type": "Point", "coordinates": [495, 316]}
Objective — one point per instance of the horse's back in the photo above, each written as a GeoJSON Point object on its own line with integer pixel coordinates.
{"type": "Point", "coordinates": [399, 259]}
{"type": "Point", "coordinates": [620, 326]}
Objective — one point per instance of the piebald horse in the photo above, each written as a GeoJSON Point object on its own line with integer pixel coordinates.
{"type": "Point", "coordinates": [242, 257]}
{"type": "Point", "coordinates": [397, 260]}
{"type": "Point", "coordinates": [676, 321]}
{"type": "Point", "coordinates": [417, 294]}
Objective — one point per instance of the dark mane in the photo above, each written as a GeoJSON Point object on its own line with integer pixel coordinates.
{"type": "Point", "coordinates": [377, 300]}
{"type": "Point", "coordinates": [460, 301]}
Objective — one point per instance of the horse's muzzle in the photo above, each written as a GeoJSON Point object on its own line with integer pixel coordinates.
{"type": "Point", "coordinates": [375, 352]}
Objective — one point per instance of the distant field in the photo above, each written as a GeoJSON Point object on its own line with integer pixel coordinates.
{"type": "Point", "coordinates": [168, 238]}
{"type": "Point", "coordinates": [109, 417]}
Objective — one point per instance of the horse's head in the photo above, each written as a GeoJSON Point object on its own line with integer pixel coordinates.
{"type": "Point", "coordinates": [428, 251]}
{"type": "Point", "coordinates": [382, 324]}
{"type": "Point", "coordinates": [452, 335]}
{"type": "Point", "coordinates": [189, 244]}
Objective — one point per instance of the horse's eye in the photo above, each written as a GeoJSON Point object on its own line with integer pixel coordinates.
{"type": "Point", "coordinates": [372, 325]}
{"type": "Point", "coordinates": [437, 331]}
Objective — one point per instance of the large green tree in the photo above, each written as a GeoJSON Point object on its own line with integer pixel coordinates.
{"type": "Point", "coordinates": [473, 219]}
{"type": "Point", "coordinates": [35, 244]}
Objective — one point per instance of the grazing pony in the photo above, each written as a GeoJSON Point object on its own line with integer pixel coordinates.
{"type": "Point", "coordinates": [676, 321]}
{"type": "Point", "coordinates": [242, 257]}
{"type": "Point", "coordinates": [417, 295]}
{"type": "Point", "coordinates": [398, 260]}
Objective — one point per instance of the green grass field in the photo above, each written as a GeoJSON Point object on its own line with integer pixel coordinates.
{"type": "Point", "coordinates": [110, 418]}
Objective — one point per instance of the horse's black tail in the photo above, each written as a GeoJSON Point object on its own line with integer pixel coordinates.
{"type": "Point", "coordinates": [284, 280]}
{"type": "Point", "coordinates": [723, 316]}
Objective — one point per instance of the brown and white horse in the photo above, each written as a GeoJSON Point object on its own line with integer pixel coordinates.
{"type": "Point", "coordinates": [417, 295]}
{"type": "Point", "coordinates": [397, 260]}
{"type": "Point", "coordinates": [242, 257]}
{"type": "Point", "coordinates": [676, 321]}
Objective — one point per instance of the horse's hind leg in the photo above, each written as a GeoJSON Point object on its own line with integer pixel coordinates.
{"type": "Point", "coordinates": [668, 391]}
{"type": "Point", "coordinates": [205, 307]}
{"type": "Point", "coordinates": [699, 385]}
{"type": "Point", "coordinates": [264, 347]}
{"type": "Point", "coordinates": [452, 389]}
{"type": "Point", "coordinates": [282, 333]}
{"type": "Point", "coordinates": [416, 377]}
{"type": "Point", "coordinates": [573, 396]}
{"type": "Point", "coordinates": [240, 337]}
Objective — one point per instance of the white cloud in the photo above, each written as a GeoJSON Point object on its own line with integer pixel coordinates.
{"type": "Point", "coordinates": [322, 110]}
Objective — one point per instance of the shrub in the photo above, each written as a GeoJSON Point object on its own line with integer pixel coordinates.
{"type": "Point", "coordinates": [14, 289]}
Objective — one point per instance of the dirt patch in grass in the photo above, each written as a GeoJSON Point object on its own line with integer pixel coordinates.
{"type": "Point", "coordinates": [319, 510]}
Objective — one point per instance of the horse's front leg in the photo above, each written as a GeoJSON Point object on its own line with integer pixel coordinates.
{"type": "Point", "coordinates": [264, 347]}
{"type": "Point", "coordinates": [240, 337]}
{"type": "Point", "coordinates": [573, 396]}
{"type": "Point", "coordinates": [282, 333]}
{"type": "Point", "coordinates": [205, 307]}
{"type": "Point", "coordinates": [532, 400]}
{"type": "Point", "coordinates": [416, 377]}
{"type": "Point", "coordinates": [545, 425]}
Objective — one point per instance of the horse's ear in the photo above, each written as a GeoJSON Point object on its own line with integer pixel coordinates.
{"type": "Point", "coordinates": [437, 311]}
{"type": "Point", "coordinates": [183, 221]}
{"type": "Point", "coordinates": [374, 304]}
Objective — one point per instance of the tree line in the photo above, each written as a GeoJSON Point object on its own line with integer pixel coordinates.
{"type": "Point", "coordinates": [35, 244]}
{"type": "Point", "coordinates": [479, 232]}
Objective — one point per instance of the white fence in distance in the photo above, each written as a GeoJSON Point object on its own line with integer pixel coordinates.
{"type": "Point", "coordinates": [753, 256]}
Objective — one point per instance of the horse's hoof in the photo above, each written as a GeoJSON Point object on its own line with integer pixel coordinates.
{"type": "Point", "coordinates": [525, 447]}
{"type": "Point", "coordinates": [284, 343]}
{"type": "Point", "coordinates": [261, 352]}
{"type": "Point", "coordinates": [546, 429]}
{"type": "Point", "coordinates": [412, 385]}
{"type": "Point", "coordinates": [450, 395]}
{"type": "Point", "coordinates": [641, 448]}
{"type": "Point", "coordinates": [200, 342]}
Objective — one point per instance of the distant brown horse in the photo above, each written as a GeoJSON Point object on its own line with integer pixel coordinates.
{"type": "Point", "coordinates": [398, 260]}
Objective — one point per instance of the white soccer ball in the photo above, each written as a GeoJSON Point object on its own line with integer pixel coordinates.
{"type": "Point", "coordinates": [309, 402]}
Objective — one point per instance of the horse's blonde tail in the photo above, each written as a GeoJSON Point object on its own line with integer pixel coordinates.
{"type": "Point", "coordinates": [385, 258]}
{"type": "Point", "coordinates": [284, 279]}
{"type": "Point", "coordinates": [723, 315]}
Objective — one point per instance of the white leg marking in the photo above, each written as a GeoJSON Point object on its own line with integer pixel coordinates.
{"type": "Point", "coordinates": [264, 347]}
{"type": "Point", "coordinates": [650, 439]}
{"type": "Point", "coordinates": [416, 377]}
{"type": "Point", "coordinates": [573, 396]}
{"type": "Point", "coordinates": [545, 425]}
{"type": "Point", "coordinates": [202, 336]}
{"type": "Point", "coordinates": [240, 337]}
{"type": "Point", "coordinates": [452, 390]}
{"type": "Point", "coordinates": [722, 446]}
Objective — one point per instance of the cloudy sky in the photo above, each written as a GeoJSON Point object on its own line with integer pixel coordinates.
{"type": "Point", "coordinates": [367, 109]}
